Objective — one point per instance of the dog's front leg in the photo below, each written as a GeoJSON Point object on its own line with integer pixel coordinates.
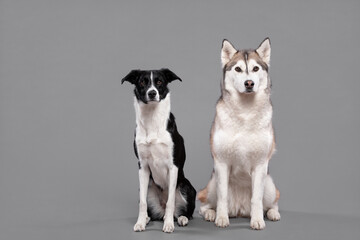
{"type": "Point", "coordinates": [258, 180]}
{"type": "Point", "coordinates": [170, 205]}
{"type": "Point", "coordinates": [143, 219]}
{"type": "Point", "coordinates": [222, 185]}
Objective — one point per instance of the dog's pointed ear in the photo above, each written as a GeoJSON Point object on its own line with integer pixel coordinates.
{"type": "Point", "coordinates": [131, 77]}
{"type": "Point", "coordinates": [264, 51]}
{"type": "Point", "coordinates": [227, 52]}
{"type": "Point", "coordinates": [169, 75]}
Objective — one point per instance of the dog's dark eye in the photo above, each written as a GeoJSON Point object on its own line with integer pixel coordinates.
{"type": "Point", "coordinates": [256, 68]}
{"type": "Point", "coordinates": [142, 83]}
{"type": "Point", "coordinates": [158, 82]}
{"type": "Point", "coordinates": [238, 69]}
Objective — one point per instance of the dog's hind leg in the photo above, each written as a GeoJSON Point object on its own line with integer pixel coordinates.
{"type": "Point", "coordinates": [185, 202]}
{"type": "Point", "coordinates": [208, 198]}
{"type": "Point", "coordinates": [271, 198]}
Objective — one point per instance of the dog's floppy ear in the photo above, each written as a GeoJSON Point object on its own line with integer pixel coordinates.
{"type": "Point", "coordinates": [227, 52]}
{"type": "Point", "coordinates": [264, 51]}
{"type": "Point", "coordinates": [169, 75]}
{"type": "Point", "coordinates": [131, 77]}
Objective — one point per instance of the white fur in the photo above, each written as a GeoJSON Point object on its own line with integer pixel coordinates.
{"type": "Point", "coordinates": [155, 149]}
{"type": "Point", "coordinates": [242, 141]}
{"type": "Point", "coordinates": [236, 80]}
{"type": "Point", "coordinates": [157, 98]}
{"type": "Point", "coordinates": [182, 221]}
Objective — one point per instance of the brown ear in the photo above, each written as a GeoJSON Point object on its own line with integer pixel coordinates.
{"type": "Point", "coordinates": [131, 77]}
{"type": "Point", "coordinates": [227, 52]}
{"type": "Point", "coordinates": [264, 51]}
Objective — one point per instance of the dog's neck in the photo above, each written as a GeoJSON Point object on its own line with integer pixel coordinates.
{"type": "Point", "coordinates": [248, 109]}
{"type": "Point", "coordinates": [153, 116]}
{"type": "Point", "coordinates": [253, 101]}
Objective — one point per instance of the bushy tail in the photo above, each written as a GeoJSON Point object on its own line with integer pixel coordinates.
{"type": "Point", "coordinates": [202, 195]}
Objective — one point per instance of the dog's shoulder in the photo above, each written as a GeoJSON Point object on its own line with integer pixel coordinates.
{"type": "Point", "coordinates": [172, 129]}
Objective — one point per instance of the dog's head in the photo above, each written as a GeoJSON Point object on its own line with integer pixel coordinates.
{"type": "Point", "coordinates": [246, 70]}
{"type": "Point", "coordinates": [150, 85]}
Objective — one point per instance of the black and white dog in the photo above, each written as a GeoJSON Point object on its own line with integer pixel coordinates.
{"type": "Point", "coordinates": [165, 193]}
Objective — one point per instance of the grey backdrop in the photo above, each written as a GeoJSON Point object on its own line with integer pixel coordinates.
{"type": "Point", "coordinates": [67, 168]}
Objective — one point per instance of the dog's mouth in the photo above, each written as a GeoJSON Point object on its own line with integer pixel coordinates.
{"type": "Point", "coordinates": [152, 100]}
{"type": "Point", "coordinates": [249, 91]}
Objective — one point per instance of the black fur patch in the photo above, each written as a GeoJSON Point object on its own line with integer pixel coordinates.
{"type": "Point", "coordinates": [142, 81]}
{"type": "Point", "coordinates": [160, 79]}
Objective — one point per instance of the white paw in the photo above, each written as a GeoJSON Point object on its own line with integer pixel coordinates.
{"type": "Point", "coordinates": [273, 215]}
{"type": "Point", "coordinates": [222, 221]}
{"type": "Point", "coordinates": [147, 220]}
{"type": "Point", "coordinates": [139, 226]}
{"type": "Point", "coordinates": [210, 215]}
{"type": "Point", "coordinates": [182, 221]}
{"type": "Point", "coordinates": [257, 224]}
{"type": "Point", "coordinates": [168, 226]}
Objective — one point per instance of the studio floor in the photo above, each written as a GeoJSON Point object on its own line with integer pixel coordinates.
{"type": "Point", "coordinates": [293, 225]}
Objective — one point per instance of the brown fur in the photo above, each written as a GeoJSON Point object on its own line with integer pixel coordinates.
{"type": "Point", "coordinates": [202, 195]}
{"type": "Point", "coordinates": [277, 196]}
{"type": "Point", "coordinates": [240, 55]}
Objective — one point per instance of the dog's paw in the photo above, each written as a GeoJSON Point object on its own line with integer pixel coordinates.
{"type": "Point", "coordinates": [222, 221]}
{"type": "Point", "coordinates": [139, 226]}
{"type": "Point", "coordinates": [182, 221]}
{"type": "Point", "coordinates": [147, 220]}
{"type": "Point", "coordinates": [209, 215]}
{"type": "Point", "coordinates": [168, 226]}
{"type": "Point", "coordinates": [257, 224]}
{"type": "Point", "coordinates": [273, 215]}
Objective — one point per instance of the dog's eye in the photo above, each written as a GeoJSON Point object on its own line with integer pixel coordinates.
{"type": "Point", "coordinates": [238, 69]}
{"type": "Point", "coordinates": [142, 83]}
{"type": "Point", "coordinates": [256, 68]}
{"type": "Point", "coordinates": [158, 82]}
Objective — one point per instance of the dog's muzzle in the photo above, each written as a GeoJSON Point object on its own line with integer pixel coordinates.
{"type": "Point", "coordinates": [152, 95]}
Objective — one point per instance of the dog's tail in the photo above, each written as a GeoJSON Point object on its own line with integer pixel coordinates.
{"type": "Point", "coordinates": [277, 195]}
{"type": "Point", "coordinates": [202, 195]}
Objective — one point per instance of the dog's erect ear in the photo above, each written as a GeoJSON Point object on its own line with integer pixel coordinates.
{"type": "Point", "coordinates": [131, 77]}
{"type": "Point", "coordinates": [169, 75]}
{"type": "Point", "coordinates": [264, 51]}
{"type": "Point", "coordinates": [227, 52]}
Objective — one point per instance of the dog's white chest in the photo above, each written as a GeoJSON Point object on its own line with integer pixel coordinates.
{"type": "Point", "coordinates": [155, 151]}
{"type": "Point", "coordinates": [153, 141]}
{"type": "Point", "coordinates": [242, 142]}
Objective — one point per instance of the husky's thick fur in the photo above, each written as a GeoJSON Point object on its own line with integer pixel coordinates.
{"type": "Point", "coordinates": [242, 141]}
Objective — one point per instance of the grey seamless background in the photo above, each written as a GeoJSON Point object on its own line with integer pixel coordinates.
{"type": "Point", "coordinates": [67, 167]}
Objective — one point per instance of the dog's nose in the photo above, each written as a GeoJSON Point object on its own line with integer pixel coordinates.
{"type": "Point", "coordinates": [249, 84]}
{"type": "Point", "coordinates": [152, 94]}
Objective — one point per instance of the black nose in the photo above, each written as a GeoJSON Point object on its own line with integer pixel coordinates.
{"type": "Point", "coordinates": [249, 84]}
{"type": "Point", "coordinates": [152, 94]}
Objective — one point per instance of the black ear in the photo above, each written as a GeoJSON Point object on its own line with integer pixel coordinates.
{"type": "Point", "coordinates": [131, 77]}
{"type": "Point", "coordinates": [169, 75]}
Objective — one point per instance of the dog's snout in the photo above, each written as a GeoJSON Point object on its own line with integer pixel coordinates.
{"type": "Point", "coordinates": [152, 94]}
{"type": "Point", "coordinates": [249, 84]}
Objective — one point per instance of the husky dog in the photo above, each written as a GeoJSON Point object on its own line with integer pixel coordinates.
{"type": "Point", "coordinates": [242, 141]}
{"type": "Point", "coordinates": [165, 193]}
